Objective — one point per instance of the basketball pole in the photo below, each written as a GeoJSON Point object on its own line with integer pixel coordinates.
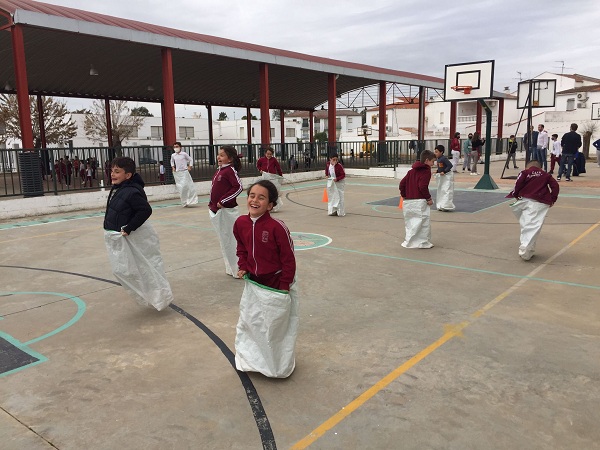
{"type": "Point", "coordinates": [486, 181]}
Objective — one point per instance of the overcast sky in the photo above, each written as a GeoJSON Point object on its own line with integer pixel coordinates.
{"type": "Point", "coordinates": [420, 36]}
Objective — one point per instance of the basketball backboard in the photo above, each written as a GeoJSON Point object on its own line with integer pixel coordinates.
{"type": "Point", "coordinates": [544, 94]}
{"type": "Point", "coordinates": [364, 131]}
{"type": "Point", "coordinates": [479, 76]}
{"type": "Point", "coordinates": [595, 111]}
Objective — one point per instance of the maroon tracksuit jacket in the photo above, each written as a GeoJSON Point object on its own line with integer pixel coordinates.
{"type": "Point", "coordinates": [226, 186]}
{"type": "Point", "coordinates": [415, 184]}
{"type": "Point", "coordinates": [265, 250]}
{"type": "Point", "coordinates": [269, 165]}
{"type": "Point", "coordinates": [535, 184]}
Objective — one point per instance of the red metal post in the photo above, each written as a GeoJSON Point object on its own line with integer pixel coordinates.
{"type": "Point", "coordinates": [108, 114]}
{"type": "Point", "coordinates": [249, 125]}
{"type": "Point", "coordinates": [210, 125]}
{"type": "Point", "coordinates": [311, 126]}
{"type": "Point", "coordinates": [382, 110]}
{"type": "Point", "coordinates": [331, 110]}
{"type": "Point", "coordinates": [453, 107]}
{"type": "Point", "coordinates": [421, 119]}
{"type": "Point", "coordinates": [265, 120]}
{"type": "Point", "coordinates": [18, 47]}
{"type": "Point", "coordinates": [169, 133]}
{"type": "Point", "coordinates": [478, 118]}
{"type": "Point", "coordinates": [282, 125]}
{"type": "Point", "coordinates": [500, 118]}
{"type": "Point", "coordinates": [40, 108]}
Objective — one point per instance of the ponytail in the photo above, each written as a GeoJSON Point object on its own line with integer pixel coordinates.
{"type": "Point", "coordinates": [233, 155]}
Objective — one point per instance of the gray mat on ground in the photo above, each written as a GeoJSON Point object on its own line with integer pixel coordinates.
{"type": "Point", "coordinates": [465, 201]}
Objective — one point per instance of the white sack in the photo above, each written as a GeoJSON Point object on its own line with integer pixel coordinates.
{"type": "Point", "coordinates": [137, 264]}
{"type": "Point", "coordinates": [444, 197]}
{"type": "Point", "coordinates": [416, 221]}
{"type": "Point", "coordinates": [335, 195]}
{"type": "Point", "coordinates": [531, 215]}
{"type": "Point", "coordinates": [222, 222]}
{"type": "Point", "coordinates": [185, 187]}
{"type": "Point", "coordinates": [266, 332]}
{"type": "Point", "coordinates": [277, 180]}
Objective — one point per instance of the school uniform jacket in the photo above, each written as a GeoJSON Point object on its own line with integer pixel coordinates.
{"type": "Point", "coordinates": [127, 206]}
{"type": "Point", "coordinates": [340, 174]}
{"type": "Point", "coordinates": [226, 186]}
{"type": "Point", "coordinates": [265, 249]}
{"type": "Point", "coordinates": [415, 184]}
{"type": "Point", "coordinates": [443, 164]}
{"type": "Point", "coordinates": [269, 165]}
{"type": "Point", "coordinates": [535, 184]}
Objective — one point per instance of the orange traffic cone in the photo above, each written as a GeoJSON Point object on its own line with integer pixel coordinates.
{"type": "Point", "coordinates": [325, 199]}
{"type": "Point", "coordinates": [401, 204]}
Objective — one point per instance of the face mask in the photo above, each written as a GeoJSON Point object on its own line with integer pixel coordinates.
{"type": "Point", "coordinates": [177, 149]}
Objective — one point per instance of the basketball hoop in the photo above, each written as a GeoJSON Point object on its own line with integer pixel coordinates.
{"type": "Point", "coordinates": [464, 89]}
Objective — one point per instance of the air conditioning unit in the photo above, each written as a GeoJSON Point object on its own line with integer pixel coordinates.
{"type": "Point", "coordinates": [581, 105]}
{"type": "Point", "coordinates": [582, 96]}
{"type": "Point", "coordinates": [388, 128]}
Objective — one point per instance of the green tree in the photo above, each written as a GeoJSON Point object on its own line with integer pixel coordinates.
{"type": "Point", "coordinates": [222, 115]}
{"type": "Point", "coordinates": [81, 111]}
{"type": "Point", "coordinates": [123, 124]}
{"type": "Point", "coordinates": [587, 130]}
{"type": "Point", "coordinates": [253, 117]}
{"type": "Point", "coordinates": [57, 126]}
{"type": "Point", "coordinates": [276, 114]}
{"type": "Point", "coordinates": [141, 111]}
{"type": "Point", "coordinates": [321, 137]}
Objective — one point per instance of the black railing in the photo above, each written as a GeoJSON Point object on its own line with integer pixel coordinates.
{"type": "Point", "coordinates": [59, 170]}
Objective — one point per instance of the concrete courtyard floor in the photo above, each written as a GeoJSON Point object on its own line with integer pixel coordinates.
{"type": "Point", "coordinates": [462, 346]}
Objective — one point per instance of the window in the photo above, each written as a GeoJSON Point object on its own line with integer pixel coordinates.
{"type": "Point", "coordinates": [242, 133]}
{"type": "Point", "coordinates": [338, 123]}
{"type": "Point", "coordinates": [130, 131]}
{"type": "Point", "coordinates": [156, 132]}
{"type": "Point", "coordinates": [252, 131]}
{"type": "Point", "coordinates": [441, 117]}
{"type": "Point", "coordinates": [374, 120]}
{"type": "Point", "coordinates": [272, 132]}
{"type": "Point", "coordinates": [290, 132]}
{"type": "Point", "coordinates": [570, 104]}
{"type": "Point", "coordinates": [386, 118]}
{"type": "Point", "coordinates": [186, 132]}
{"type": "Point", "coordinates": [349, 120]}
{"type": "Point", "coordinates": [304, 123]}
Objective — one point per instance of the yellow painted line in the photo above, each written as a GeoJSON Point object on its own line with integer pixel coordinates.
{"type": "Point", "coordinates": [451, 331]}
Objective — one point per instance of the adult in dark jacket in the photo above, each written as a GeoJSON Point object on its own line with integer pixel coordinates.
{"type": "Point", "coordinates": [127, 207]}
{"type": "Point", "coordinates": [570, 142]}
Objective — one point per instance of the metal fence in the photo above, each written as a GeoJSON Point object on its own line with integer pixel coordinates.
{"type": "Point", "coordinates": [39, 172]}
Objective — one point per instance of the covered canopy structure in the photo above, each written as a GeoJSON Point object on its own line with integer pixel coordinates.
{"type": "Point", "coordinates": [58, 51]}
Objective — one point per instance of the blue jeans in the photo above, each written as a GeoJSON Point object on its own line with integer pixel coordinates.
{"type": "Point", "coordinates": [541, 154]}
{"type": "Point", "coordinates": [568, 159]}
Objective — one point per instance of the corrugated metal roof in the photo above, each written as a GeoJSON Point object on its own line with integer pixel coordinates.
{"type": "Point", "coordinates": [61, 43]}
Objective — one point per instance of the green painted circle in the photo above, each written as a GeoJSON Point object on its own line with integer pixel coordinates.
{"type": "Point", "coordinates": [309, 241]}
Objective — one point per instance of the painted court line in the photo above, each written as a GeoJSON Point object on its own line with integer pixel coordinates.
{"type": "Point", "coordinates": [451, 331]}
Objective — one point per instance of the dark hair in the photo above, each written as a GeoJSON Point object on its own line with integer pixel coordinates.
{"type": "Point", "coordinates": [160, 162]}
{"type": "Point", "coordinates": [177, 143]}
{"type": "Point", "coordinates": [440, 148]}
{"type": "Point", "coordinates": [574, 127]}
{"type": "Point", "coordinates": [125, 163]}
{"type": "Point", "coordinates": [269, 149]}
{"type": "Point", "coordinates": [475, 136]}
{"type": "Point", "coordinates": [334, 155]}
{"type": "Point", "coordinates": [555, 135]}
{"type": "Point", "coordinates": [233, 155]}
{"type": "Point", "coordinates": [270, 187]}
{"type": "Point", "coordinates": [457, 134]}
{"type": "Point", "coordinates": [427, 155]}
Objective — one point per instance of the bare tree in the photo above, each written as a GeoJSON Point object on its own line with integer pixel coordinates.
{"type": "Point", "coordinates": [587, 130]}
{"type": "Point", "coordinates": [57, 126]}
{"type": "Point", "coordinates": [123, 124]}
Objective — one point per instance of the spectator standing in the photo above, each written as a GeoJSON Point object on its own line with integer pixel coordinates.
{"type": "Point", "coordinates": [466, 149]}
{"type": "Point", "coordinates": [597, 145]}
{"type": "Point", "coordinates": [476, 144]}
{"type": "Point", "coordinates": [541, 153]}
{"type": "Point", "coordinates": [570, 142]}
{"type": "Point", "coordinates": [555, 153]}
{"type": "Point", "coordinates": [455, 150]}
